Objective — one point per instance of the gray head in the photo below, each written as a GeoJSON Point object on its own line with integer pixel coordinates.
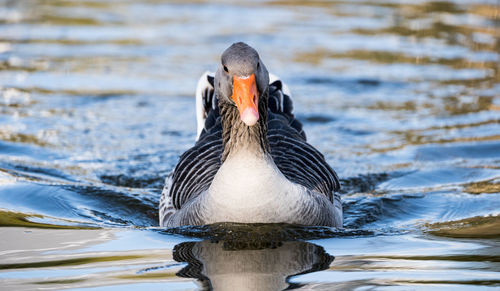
{"type": "Point", "coordinates": [242, 80]}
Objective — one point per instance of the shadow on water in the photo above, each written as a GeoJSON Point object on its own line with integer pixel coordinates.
{"type": "Point", "coordinates": [262, 233]}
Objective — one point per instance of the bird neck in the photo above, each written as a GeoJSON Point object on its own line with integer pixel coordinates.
{"type": "Point", "coordinates": [237, 136]}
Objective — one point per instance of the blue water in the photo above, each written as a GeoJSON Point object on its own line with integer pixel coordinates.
{"type": "Point", "coordinates": [97, 103]}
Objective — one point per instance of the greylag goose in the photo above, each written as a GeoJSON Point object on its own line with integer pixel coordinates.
{"type": "Point", "coordinates": [251, 162]}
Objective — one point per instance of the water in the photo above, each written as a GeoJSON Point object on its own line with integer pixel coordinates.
{"type": "Point", "coordinates": [402, 97]}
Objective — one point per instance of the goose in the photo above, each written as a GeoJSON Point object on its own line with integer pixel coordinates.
{"type": "Point", "coordinates": [251, 162]}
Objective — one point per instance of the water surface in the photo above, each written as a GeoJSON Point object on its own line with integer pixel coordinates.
{"type": "Point", "coordinates": [402, 97]}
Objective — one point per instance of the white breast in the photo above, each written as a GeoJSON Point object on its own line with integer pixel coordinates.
{"type": "Point", "coordinates": [248, 188]}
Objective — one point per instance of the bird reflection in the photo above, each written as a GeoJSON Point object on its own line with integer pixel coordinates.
{"type": "Point", "coordinates": [225, 265]}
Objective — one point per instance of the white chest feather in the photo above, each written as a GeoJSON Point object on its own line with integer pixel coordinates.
{"type": "Point", "coordinates": [250, 188]}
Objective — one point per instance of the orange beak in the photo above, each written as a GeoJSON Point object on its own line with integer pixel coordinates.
{"type": "Point", "coordinates": [246, 97]}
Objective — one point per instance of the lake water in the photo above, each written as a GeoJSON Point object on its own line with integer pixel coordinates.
{"type": "Point", "coordinates": [97, 103]}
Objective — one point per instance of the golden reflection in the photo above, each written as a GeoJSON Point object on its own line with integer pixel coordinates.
{"type": "Point", "coordinates": [97, 93]}
{"type": "Point", "coordinates": [386, 57]}
{"type": "Point", "coordinates": [413, 20]}
{"type": "Point", "coordinates": [70, 262]}
{"type": "Point", "coordinates": [70, 42]}
{"type": "Point", "coordinates": [70, 3]}
{"type": "Point", "coordinates": [62, 20]}
{"type": "Point", "coordinates": [9, 136]}
{"type": "Point", "coordinates": [483, 187]}
{"type": "Point", "coordinates": [62, 281]}
{"type": "Point", "coordinates": [428, 136]}
{"type": "Point", "coordinates": [413, 139]}
{"type": "Point", "coordinates": [474, 227]}
{"type": "Point", "coordinates": [18, 219]}
{"type": "Point", "coordinates": [147, 276]}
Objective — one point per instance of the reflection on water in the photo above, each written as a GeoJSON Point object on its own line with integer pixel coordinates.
{"type": "Point", "coordinates": [106, 259]}
{"type": "Point", "coordinates": [96, 105]}
{"type": "Point", "coordinates": [227, 266]}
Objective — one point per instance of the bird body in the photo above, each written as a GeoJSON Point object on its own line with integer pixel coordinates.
{"type": "Point", "coordinates": [251, 162]}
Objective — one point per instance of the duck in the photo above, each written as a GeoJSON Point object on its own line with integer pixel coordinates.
{"type": "Point", "coordinates": [251, 162]}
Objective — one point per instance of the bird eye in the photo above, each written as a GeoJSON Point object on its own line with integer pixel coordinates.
{"type": "Point", "coordinates": [226, 70]}
{"type": "Point", "coordinates": [258, 65]}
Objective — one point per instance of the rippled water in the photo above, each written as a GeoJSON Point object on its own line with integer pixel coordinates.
{"type": "Point", "coordinates": [402, 97]}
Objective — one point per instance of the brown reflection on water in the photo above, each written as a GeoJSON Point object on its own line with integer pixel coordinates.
{"type": "Point", "coordinates": [474, 227]}
{"type": "Point", "coordinates": [430, 20]}
{"type": "Point", "coordinates": [483, 187]}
